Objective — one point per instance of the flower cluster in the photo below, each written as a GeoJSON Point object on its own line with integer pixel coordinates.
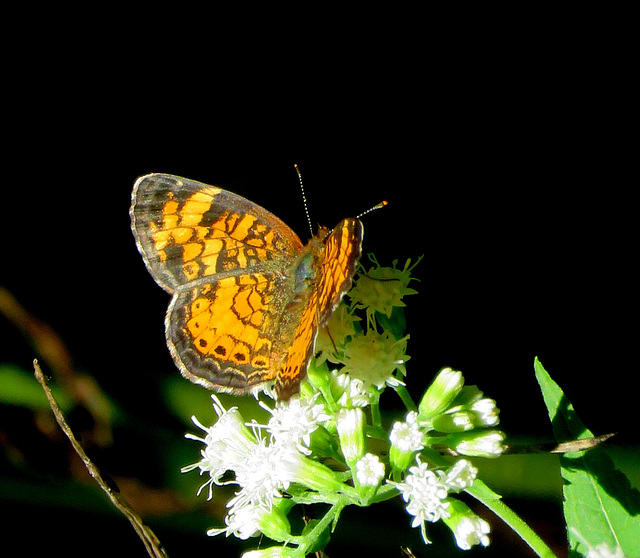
{"type": "Point", "coordinates": [264, 467]}
{"type": "Point", "coordinates": [377, 358]}
{"type": "Point", "coordinates": [460, 419]}
{"type": "Point", "coordinates": [331, 445]}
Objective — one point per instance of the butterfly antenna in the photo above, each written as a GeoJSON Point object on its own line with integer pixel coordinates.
{"type": "Point", "coordinates": [378, 206]}
{"type": "Point", "coordinates": [304, 199]}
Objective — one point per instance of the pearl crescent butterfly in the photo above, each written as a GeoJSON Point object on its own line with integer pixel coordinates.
{"type": "Point", "coordinates": [248, 297]}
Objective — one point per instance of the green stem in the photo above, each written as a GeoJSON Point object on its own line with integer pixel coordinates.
{"type": "Point", "coordinates": [406, 398]}
{"type": "Point", "coordinates": [311, 539]}
{"type": "Point", "coordinates": [385, 492]}
{"type": "Point", "coordinates": [497, 506]}
{"type": "Point", "coordinates": [376, 417]}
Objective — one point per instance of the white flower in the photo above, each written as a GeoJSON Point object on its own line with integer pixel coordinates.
{"type": "Point", "coordinates": [374, 357]}
{"type": "Point", "coordinates": [294, 423]}
{"type": "Point", "coordinates": [369, 470]}
{"type": "Point", "coordinates": [353, 391]}
{"type": "Point", "coordinates": [425, 495]}
{"type": "Point", "coordinates": [603, 551]}
{"type": "Point", "coordinates": [242, 522]}
{"type": "Point", "coordinates": [471, 530]}
{"type": "Point", "coordinates": [263, 471]}
{"type": "Point", "coordinates": [481, 444]}
{"type": "Point", "coordinates": [486, 412]}
{"type": "Point", "coordinates": [227, 444]}
{"type": "Point", "coordinates": [460, 476]}
{"type": "Point", "coordinates": [407, 436]}
{"type": "Point", "coordinates": [468, 528]}
{"type": "Point", "coordinates": [263, 467]}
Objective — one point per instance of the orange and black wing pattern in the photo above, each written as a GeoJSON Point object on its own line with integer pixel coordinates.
{"type": "Point", "coordinates": [247, 297]}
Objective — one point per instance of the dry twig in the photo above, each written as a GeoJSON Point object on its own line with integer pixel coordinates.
{"type": "Point", "coordinates": [151, 542]}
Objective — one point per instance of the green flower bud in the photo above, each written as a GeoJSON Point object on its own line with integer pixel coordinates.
{"type": "Point", "coordinates": [483, 443]}
{"type": "Point", "coordinates": [460, 421]}
{"type": "Point", "coordinates": [317, 476]}
{"type": "Point", "coordinates": [442, 391]}
{"type": "Point", "coordinates": [350, 424]}
{"type": "Point", "coordinates": [468, 528]}
{"type": "Point", "coordinates": [400, 460]}
{"type": "Point", "coordinates": [275, 525]}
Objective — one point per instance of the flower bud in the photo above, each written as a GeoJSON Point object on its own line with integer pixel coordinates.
{"type": "Point", "coordinates": [468, 528]}
{"type": "Point", "coordinates": [275, 525]}
{"type": "Point", "coordinates": [406, 439]}
{"type": "Point", "coordinates": [316, 476]}
{"type": "Point", "coordinates": [369, 470]}
{"type": "Point", "coordinates": [442, 391]}
{"type": "Point", "coordinates": [350, 424]}
{"type": "Point", "coordinates": [485, 443]}
{"type": "Point", "coordinates": [460, 421]}
{"type": "Point", "coordinates": [461, 475]}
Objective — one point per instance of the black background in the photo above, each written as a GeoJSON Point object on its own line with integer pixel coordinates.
{"type": "Point", "coordinates": [508, 162]}
{"type": "Point", "coordinates": [522, 208]}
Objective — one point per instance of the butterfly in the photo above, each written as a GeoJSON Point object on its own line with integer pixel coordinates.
{"type": "Point", "coordinates": [248, 297]}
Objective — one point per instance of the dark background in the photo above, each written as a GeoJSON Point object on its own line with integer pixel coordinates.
{"type": "Point", "coordinates": [508, 162]}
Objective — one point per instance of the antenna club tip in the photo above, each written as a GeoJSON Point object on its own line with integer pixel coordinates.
{"type": "Point", "coordinates": [379, 206]}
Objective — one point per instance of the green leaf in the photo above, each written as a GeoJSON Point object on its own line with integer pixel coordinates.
{"type": "Point", "coordinates": [601, 508]}
{"type": "Point", "coordinates": [396, 323]}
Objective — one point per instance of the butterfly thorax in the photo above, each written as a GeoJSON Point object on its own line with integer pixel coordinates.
{"type": "Point", "coordinates": [307, 265]}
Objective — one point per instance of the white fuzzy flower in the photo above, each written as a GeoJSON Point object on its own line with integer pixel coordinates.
{"type": "Point", "coordinates": [353, 391]}
{"type": "Point", "coordinates": [227, 444]}
{"type": "Point", "coordinates": [263, 471]}
{"type": "Point", "coordinates": [460, 476]}
{"type": "Point", "coordinates": [407, 436]}
{"type": "Point", "coordinates": [471, 530]}
{"type": "Point", "coordinates": [369, 470]}
{"type": "Point", "coordinates": [263, 466]}
{"type": "Point", "coordinates": [425, 495]}
{"type": "Point", "coordinates": [242, 522]}
{"type": "Point", "coordinates": [295, 422]}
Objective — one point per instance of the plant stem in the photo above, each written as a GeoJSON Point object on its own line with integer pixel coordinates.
{"type": "Point", "coordinates": [321, 526]}
{"type": "Point", "coordinates": [406, 398]}
{"type": "Point", "coordinates": [498, 507]}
